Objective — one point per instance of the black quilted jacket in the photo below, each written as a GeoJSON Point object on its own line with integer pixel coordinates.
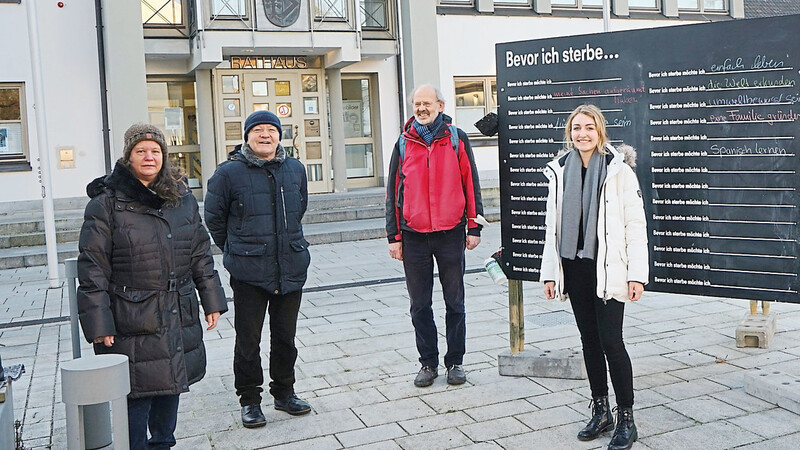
{"type": "Point", "coordinates": [140, 267]}
{"type": "Point", "coordinates": [254, 214]}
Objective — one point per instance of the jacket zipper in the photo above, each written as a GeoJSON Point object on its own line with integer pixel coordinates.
{"type": "Point", "coordinates": [605, 239]}
{"type": "Point", "coordinates": [283, 205]}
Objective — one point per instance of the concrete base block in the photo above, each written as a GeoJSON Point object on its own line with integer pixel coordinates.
{"type": "Point", "coordinates": [543, 363]}
{"type": "Point", "coordinates": [756, 330]}
{"type": "Point", "coordinates": [774, 386]}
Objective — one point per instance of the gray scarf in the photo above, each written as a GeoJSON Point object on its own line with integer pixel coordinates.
{"type": "Point", "coordinates": [247, 152]}
{"type": "Point", "coordinates": [580, 205]}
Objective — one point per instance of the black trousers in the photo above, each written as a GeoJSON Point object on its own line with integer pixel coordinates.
{"type": "Point", "coordinates": [251, 305]}
{"type": "Point", "coordinates": [419, 250]}
{"type": "Point", "coordinates": [600, 325]}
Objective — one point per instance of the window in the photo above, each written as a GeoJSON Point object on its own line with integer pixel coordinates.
{"type": "Point", "coordinates": [225, 9]}
{"type": "Point", "coordinates": [475, 97]}
{"type": "Point", "coordinates": [162, 12]}
{"type": "Point", "coordinates": [13, 130]}
{"type": "Point", "coordinates": [702, 5]}
{"type": "Point", "coordinates": [512, 2]}
{"type": "Point", "coordinates": [643, 4]}
{"type": "Point", "coordinates": [330, 9]}
{"type": "Point", "coordinates": [579, 4]}
{"type": "Point", "coordinates": [374, 15]}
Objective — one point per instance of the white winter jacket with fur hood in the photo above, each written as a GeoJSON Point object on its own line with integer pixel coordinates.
{"type": "Point", "coordinates": [621, 227]}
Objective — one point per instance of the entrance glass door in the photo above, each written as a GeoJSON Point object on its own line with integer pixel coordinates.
{"type": "Point", "coordinates": [297, 98]}
{"type": "Point", "coordinates": [359, 133]}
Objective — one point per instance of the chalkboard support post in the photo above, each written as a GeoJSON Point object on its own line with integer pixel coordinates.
{"type": "Point", "coordinates": [765, 307]}
{"type": "Point", "coordinates": [753, 307]}
{"type": "Point", "coordinates": [516, 316]}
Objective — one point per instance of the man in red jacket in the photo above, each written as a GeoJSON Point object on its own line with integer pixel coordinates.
{"type": "Point", "coordinates": [432, 200]}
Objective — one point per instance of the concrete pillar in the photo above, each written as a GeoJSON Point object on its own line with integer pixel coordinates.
{"type": "Point", "coordinates": [125, 69]}
{"type": "Point", "coordinates": [339, 161]}
{"type": "Point", "coordinates": [670, 8]}
{"type": "Point", "coordinates": [420, 45]}
{"type": "Point", "coordinates": [205, 125]}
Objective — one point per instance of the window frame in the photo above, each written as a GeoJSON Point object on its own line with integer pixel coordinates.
{"type": "Point", "coordinates": [512, 4]}
{"type": "Point", "coordinates": [181, 24]}
{"type": "Point", "coordinates": [348, 13]}
{"type": "Point", "coordinates": [490, 101]}
{"type": "Point", "coordinates": [578, 6]}
{"type": "Point", "coordinates": [244, 16]}
{"type": "Point", "coordinates": [657, 8]}
{"type": "Point", "coordinates": [386, 14]}
{"type": "Point", "coordinates": [17, 161]}
{"type": "Point", "coordinates": [701, 9]}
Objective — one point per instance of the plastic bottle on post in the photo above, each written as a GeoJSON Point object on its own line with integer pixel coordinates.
{"type": "Point", "coordinates": [495, 271]}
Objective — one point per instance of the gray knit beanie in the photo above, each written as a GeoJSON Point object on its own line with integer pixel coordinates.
{"type": "Point", "coordinates": [139, 132]}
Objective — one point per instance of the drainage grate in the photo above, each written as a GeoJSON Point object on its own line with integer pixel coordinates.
{"type": "Point", "coordinates": [550, 319]}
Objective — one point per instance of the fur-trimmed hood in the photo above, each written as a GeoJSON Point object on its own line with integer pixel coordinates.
{"type": "Point", "coordinates": [627, 152]}
{"type": "Point", "coordinates": [122, 181]}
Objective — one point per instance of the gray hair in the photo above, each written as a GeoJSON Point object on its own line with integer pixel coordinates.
{"type": "Point", "coordinates": [439, 95]}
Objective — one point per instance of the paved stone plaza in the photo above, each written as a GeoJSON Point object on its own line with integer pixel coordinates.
{"type": "Point", "coordinates": [357, 360]}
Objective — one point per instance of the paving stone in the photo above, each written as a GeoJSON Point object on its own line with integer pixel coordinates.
{"type": "Point", "coordinates": [435, 440]}
{"type": "Point", "coordinates": [556, 438]}
{"type": "Point", "coordinates": [370, 435]}
{"type": "Point", "coordinates": [394, 411]}
{"type": "Point", "coordinates": [551, 417]}
{"type": "Point", "coordinates": [510, 408]}
{"type": "Point", "coordinates": [742, 400]}
{"type": "Point", "coordinates": [437, 422]}
{"type": "Point", "coordinates": [782, 443]}
{"type": "Point", "coordinates": [705, 409]}
{"type": "Point", "coordinates": [195, 442]}
{"type": "Point", "coordinates": [685, 389]}
{"type": "Point", "coordinates": [320, 443]}
{"type": "Point", "coordinates": [709, 436]}
{"type": "Point", "coordinates": [546, 401]}
{"type": "Point", "coordinates": [769, 424]}
{"type": "Point", "coordinates": [493, 429]}
{"type": "Point", "coordinates": [658, 420]}
{"type": "Point", "coordinates": [472, 396]}
{"type": "Point", "coordinates": [383, 445]}
{"type": "Point", "coordinates": [347, 400]}
{"type": "Point", "coordinates": [293, 429]}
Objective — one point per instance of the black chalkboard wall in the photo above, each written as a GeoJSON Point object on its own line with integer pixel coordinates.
{"type": "Point", "coordinates": [712, 111]}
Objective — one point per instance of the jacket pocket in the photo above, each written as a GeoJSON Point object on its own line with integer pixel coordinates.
{"type": "Point", "coordinates": [244, 249]}
{"type": "Point", "coordinates": [190, 310]}
{"type": "Point", "coordinates": [300, 260]}
{"type": "Point", "coordinates": [246, 261]}
{"type": "Point", "coordinates": [136, 312]}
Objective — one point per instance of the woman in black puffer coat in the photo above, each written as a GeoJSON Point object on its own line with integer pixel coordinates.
{"type": "Point", "coordinates": [144, 256]}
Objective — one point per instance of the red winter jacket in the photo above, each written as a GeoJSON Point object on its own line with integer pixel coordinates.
{"type": "Point", "coordinates": [434, 188]}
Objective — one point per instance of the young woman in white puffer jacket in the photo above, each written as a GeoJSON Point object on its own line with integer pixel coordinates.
{"type": "Point", "coordinates": [596, 255]}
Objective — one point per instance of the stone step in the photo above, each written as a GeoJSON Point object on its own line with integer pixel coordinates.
{"type": "Point", "coordinates": [34, 239]}
{"type": "Point", "coordinates": [315, 233]}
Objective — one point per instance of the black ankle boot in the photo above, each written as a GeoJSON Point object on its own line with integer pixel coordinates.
{"type": "Point", "coordinates": [625, 434]}
{"type": "Point", "coordinates": [602, 420]}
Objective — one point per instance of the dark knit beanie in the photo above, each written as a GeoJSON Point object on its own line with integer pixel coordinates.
{"type": "Point", "coordinates": [139, 132]}
{"type": "Point", "coordinates": [260, 118]}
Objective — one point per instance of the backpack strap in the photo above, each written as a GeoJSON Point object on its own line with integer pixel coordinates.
{"type": "Point", "coordinates": [454, 141]}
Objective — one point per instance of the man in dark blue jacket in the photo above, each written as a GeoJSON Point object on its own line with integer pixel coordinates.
{"type": "Point", "coordinates": [253, 208]}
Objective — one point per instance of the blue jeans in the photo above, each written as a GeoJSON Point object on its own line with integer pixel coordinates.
{"type": "Point", "coordinates": [419, 250]}
{"type": "Point", "coordinates": [160, 414]}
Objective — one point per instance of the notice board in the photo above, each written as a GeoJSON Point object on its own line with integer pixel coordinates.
{"type": "Point", "coordinates": [712, 112]}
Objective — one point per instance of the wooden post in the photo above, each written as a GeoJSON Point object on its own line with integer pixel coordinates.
{"type": "Point", "coordinates": [765, 307]}
{"type": "Point", "coordinates": [753, 307]}
{"type": "Point", "coordinates": [516, 316]}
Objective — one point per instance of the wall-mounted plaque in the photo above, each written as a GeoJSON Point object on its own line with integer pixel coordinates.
{"type": "Point", "coordinates": [310, 105]}
{"type": "Point", "coordinates": [283, 88]}
{"type": "Point", "coordinates": [311, 127]}
{"type": "Point", "coordinates": [309, 82]}
{"type": "Point", "coordinates": [313, 150]}
{"type": "Point", "coordinates": [233, 131]}
{"type": "Point", "coordinates": [284, 109]}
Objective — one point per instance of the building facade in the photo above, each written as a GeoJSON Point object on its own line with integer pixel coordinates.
{"type": "Point", "coordinates": [337, 72]}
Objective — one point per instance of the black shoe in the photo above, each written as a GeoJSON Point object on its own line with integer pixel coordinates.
{"type": "Point", "coordinates": [602, 420]}
{"type": "Point", "coordinates": [293, 405]}
{"type": "Point", "coordinates": [252, 417]}
{"type": "Point", "coordinates": [426, 376]}
{"type": "Point", "coordinates": [625, 434]}
{"type": "Point", "coordinates": [456, 375]}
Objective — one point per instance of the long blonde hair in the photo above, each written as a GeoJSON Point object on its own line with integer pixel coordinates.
{"type": "Point", "coordinates": [599, 122]}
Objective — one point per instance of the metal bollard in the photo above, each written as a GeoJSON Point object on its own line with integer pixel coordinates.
{"type": "Point", "coordinates": [96, 418]}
